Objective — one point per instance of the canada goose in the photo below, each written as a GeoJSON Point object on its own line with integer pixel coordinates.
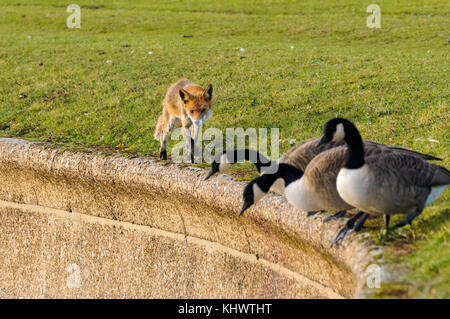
{"type": "Point", "coordinates": [313, 189]}
{"type": "Point", "coordinates": [386, 183]}
{"type": "Point", "coordinates": [298, 156]}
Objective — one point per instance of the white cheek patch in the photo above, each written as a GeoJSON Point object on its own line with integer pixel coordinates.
{"type": "Point", "coordinates": [339, 135]}
{"type": "Point", "coordinates": [278, 186]}
{"type": "Point", "coordinates": [257, 193]}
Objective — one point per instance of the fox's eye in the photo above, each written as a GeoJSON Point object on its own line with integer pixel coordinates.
{"type": "Point", "coordinates": [203, 111]}
{"type": "Point", "coordinates": [192, 111]}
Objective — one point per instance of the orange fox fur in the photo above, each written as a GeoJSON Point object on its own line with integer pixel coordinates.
{"type": "Point", "coordinates": [188, 103]}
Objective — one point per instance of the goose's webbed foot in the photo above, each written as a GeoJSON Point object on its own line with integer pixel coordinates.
{"type": "Point", "coordinates": [360, 224]}
{"type": "Point", "coordinates": [312, 213]}
{"type": "Point", "coordinates": [339, 214]}
{"type": "Point", "coordinates": [344, 232]}
{"type": "Point", "coordinates": [409, 218]}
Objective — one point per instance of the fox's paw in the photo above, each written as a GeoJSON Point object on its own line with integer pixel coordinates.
{"type": "Point", "coordinates": [163, 155]}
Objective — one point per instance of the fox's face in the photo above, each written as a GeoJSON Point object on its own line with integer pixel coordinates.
{"type": "Point", "coordinates": [197, 103]}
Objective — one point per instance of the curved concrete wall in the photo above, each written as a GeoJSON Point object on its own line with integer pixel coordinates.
{"type": "Point", "coordinates": [88, 225]}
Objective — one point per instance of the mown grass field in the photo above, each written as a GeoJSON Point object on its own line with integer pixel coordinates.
{"type": "Point", "coordinates": [55, 84]}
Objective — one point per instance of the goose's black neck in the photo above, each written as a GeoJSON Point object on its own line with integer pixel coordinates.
{"type": "Point", "coordinates": [249, 155]}
{"type": "Point", "coordinates": [285, 171]}
{"type": "Point", "coordinates": [355, 155]}
{"type": "Point", "coordinates": [289, 173]}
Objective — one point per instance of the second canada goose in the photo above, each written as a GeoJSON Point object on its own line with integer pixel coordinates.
{"type": "Point", "coordinates": [386, 183]}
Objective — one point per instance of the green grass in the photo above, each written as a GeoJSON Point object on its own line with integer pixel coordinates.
{"type": "Point", "coordinates": [393, 82]}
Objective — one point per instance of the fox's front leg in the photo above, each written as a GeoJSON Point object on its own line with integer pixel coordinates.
{"type": "Point", "coordinates": [163, 148]}
{"type": "Point", "coordinates": [196, 130]}
{"type": "Point", "coordinates": [190, 145]}
{"type": "Point", "coordinates": [187, 123]}
{"type": "Point", "coordinates": [163, 137]}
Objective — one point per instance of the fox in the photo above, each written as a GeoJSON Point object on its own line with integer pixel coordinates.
{"type": "Point", "coordinates": [189, 104]}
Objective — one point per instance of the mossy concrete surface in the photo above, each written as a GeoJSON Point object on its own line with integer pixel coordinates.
{"type": "Point", "coordinates": [89, 225]}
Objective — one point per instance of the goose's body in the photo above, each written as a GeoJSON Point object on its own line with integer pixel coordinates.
{"type": "Point", "coordinates": [315, 188]}
{"type": "Point", "coordinates": [300, 156]}
{"type": "Point", "coordinates": [387, 183]}
{"type": "Point", "coordinates": [392, 184]}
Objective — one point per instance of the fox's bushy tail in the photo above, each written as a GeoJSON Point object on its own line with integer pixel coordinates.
{"type": "Point", "coordinates": [159, 128]}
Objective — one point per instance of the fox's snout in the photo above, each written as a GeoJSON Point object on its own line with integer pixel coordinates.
{"type": "Point", "coordinates": [200, 117]}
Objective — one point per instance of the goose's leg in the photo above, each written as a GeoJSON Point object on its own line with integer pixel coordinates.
{"type": "Point", "coordinates": [343, 232]}
{"type": "Point", "coordinates": [387, 219]}
{"type": "Point", "coordinates": [360, 224]}
{"type": "Point", "coordinates": [339, 214]}
{"type": "Point", "coordinates": [313, 213]}
{"type": "Point", "coordinates": [409, 218]}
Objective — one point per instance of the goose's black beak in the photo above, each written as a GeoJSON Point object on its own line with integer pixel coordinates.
{"type": "Point", "coordinates": [323, 140]}
{"type": "Point", "coordinates": [211, 173]}
{"type": "Point", "coordinates": [245, 206]}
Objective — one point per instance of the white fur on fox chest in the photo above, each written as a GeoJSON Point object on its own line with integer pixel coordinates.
{"type": "Point", "coordinates": [352, 186]}
{"type": "Point", "coordinates": [298, 196]}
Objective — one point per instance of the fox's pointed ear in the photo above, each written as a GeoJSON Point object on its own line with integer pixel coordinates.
{"type": "Point", "coordinates": [207, 93]}
{"type": "Point", "coordinates": [184, 95]}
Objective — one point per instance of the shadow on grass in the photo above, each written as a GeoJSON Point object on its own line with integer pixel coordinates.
{"type": "Point", "coordinates": [420, 228]}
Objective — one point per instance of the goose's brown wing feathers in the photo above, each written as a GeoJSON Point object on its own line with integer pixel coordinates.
{"type": "Point", "coordinates": [401, 150]}
{"type": "Point", "coordinates": [411, 170]}
{"type": "Point", "coordinates": [303, 153]}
